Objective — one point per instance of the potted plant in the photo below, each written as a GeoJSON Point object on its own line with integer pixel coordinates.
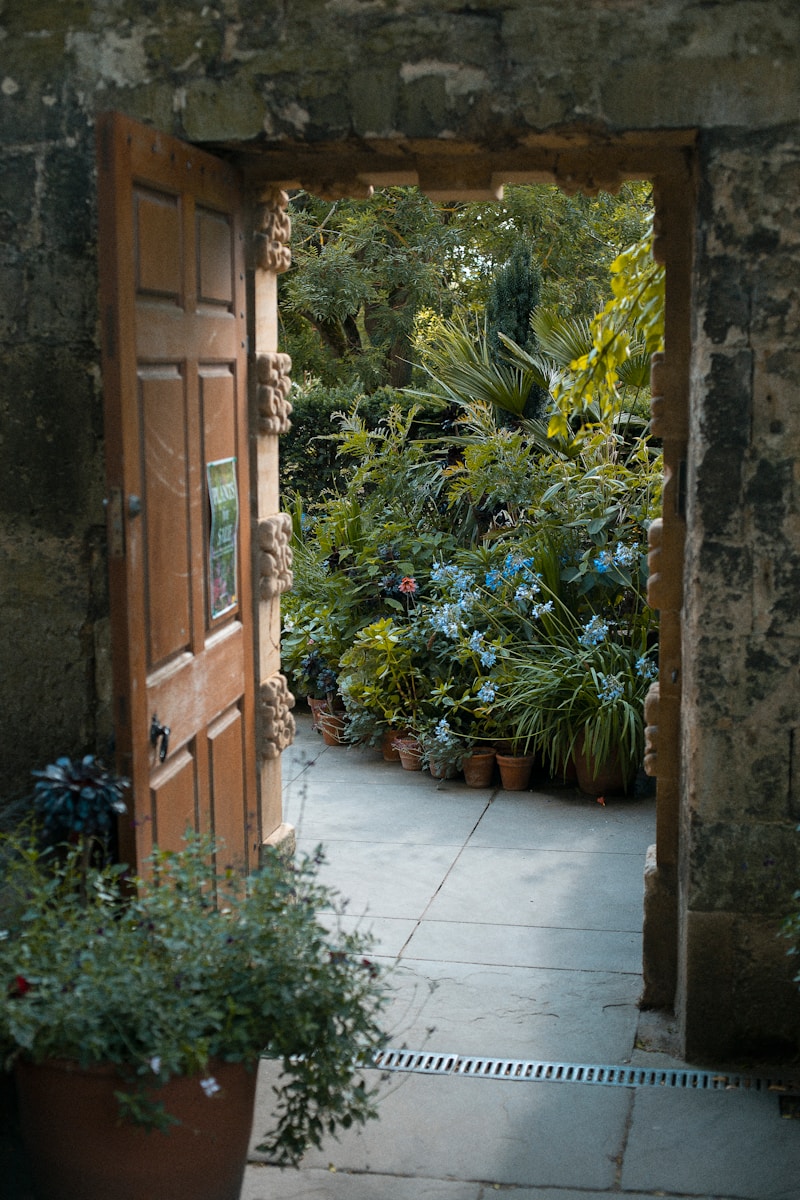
{"type": "Point", "coordinates": [582, 697]}
{"type": "Point", "coordinates": [151, 1000]}
{"type": "Point", "coordinates": [443, 751]}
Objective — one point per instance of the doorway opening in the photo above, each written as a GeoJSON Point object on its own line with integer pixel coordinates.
{"type": "Point", "coordinates": [669, 166]}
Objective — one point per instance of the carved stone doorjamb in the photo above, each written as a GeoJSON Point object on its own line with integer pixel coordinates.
{"type": "Point", "coordinates": [673, 247]}
{"type": "Point", "coordinates": [269, 417]}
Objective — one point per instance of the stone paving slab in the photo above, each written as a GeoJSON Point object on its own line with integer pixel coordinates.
{"type": "Point", "coordinates": [382, 878]}
{"type": "Point", "coordinates": [390, 933]}
{"type": "Point", "coordinates": [565, 889]}
{"type": "Point", "coordinates": [566, 820]}
{"type": "Point", "coordinates": [526, 946]}
{"type": "Point", "coordinates": [513, 1012]}
{"type": "Point", "coordinates": [482, 1131]}
{"type": "Point", "coordinates": [698, 1143]}
{"type": "Point", "coordinates": [268, 1183]}
{"type": "Point", "coordinates": [415, 818]}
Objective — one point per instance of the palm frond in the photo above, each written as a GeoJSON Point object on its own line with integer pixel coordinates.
{"type": "Point", "coordinates": [563, 339]}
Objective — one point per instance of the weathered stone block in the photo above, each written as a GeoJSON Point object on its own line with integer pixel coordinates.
{"type": "Point", "coordinates": [212, 113]}
{"type": "Point", "coordinates": [744, 866]}
{"type": "Point", "coordinates": [660, 934]}
{"type": "Point", "coordinates": [50, 462]}
{"type": "Point", "coordinates": [46, 697]}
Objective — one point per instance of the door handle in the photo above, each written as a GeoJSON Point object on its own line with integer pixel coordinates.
{"type": "Point", "coordinates": [157, 731]}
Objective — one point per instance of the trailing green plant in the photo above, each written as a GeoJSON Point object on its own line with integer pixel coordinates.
{"type": "Point", "coordinates": [162, 975]}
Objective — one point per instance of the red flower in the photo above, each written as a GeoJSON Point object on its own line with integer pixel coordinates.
{"type": "Point", "coordinates": [20, 986]}
{"type": "Point", "coordinates": [407, 585]}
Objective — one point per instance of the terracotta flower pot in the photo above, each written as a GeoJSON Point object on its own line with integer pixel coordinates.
{"type": "Point", "coordinates": [317, 708]}
{"type": "Point", "coordinates": [515, 771]}
{"type": "Point", "coordinates": [410, 754]}
{"type": "Point", "coordinates": [388, 749]}
{"type": "Point", "coordinates": [596, 778]}
{"type": "Point", "coordinates": [441, 770]}
{"type": "Point", "coordinates": [79, 1151]}
{"type": "Point", "coordinates": [332, 728]}
{"type": "Point", "coordinates": [478, 768]}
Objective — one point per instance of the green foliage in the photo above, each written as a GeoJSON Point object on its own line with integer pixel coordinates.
{"type": "Point", "coordinates": [192, 964]}
{"type": "Point", "coordinates": [514, 294]}
{"type": "Point", "coordinates": [309, 450]}
{"type": "Point", "coordinates": [461, 370]}
{"type": "Point", "coordinates": [585, 682]}
{"type": "Point", "coordinates": [365, 270]}
{"type": "Point", "coordinates": [623, 337]}
{"type": "Point", "coordinates": [463, 562]}
{"type": "Point", "coordinates": [361, 271]}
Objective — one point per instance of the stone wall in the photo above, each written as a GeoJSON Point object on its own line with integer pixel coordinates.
{"type": "Point", "coordinates": [741, 630]}
{"type": "Point", "coordinates": [456, 96]}
{"type": "Point", "coordinates": [52, 571]}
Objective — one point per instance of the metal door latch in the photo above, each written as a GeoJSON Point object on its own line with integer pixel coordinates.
{"type": "Point", "coordinates": [159, 731]}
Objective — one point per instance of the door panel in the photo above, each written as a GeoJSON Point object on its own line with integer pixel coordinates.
{"type": "Point", "coordinates": [158, 252]}
{"type": "Point", "coordinates": [165, 513]}
{"type": "Point", "coordinates": [173, 800]}
{"type": "Point", "coordinates": [174, 380]}
{"type": "Point", "coordinates": [225, 741]}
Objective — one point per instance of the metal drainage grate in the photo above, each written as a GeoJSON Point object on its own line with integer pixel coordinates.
{"type": "Point", "coordinates": [531, 1071]}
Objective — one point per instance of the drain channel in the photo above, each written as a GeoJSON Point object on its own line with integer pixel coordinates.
{"type": "Point", "coordinates": [532, 1071]}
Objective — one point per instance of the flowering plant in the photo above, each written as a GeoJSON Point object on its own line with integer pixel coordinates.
{"type": "Point", "coordinates": [160, 976]}
{"type": "Point", "coordinates": [588, 684]}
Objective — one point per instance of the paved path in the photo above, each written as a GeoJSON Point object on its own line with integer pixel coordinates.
{"type": "Point", "coordinates": [513, 925]}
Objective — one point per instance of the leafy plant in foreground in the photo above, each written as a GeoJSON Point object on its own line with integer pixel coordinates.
{"type": "Point", "coordinates": [162, 976]}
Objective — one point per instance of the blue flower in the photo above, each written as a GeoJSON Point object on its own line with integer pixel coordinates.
{"type": "Point", "coordinates": [449, 573]}
{"type": "Point", "coordinates": [646, 667]}
{"type": "Point", "coordinates": [443, 733]}
{"type": "Point", "coordinates": [488, 657]}
{"type": "Point", "coordinates": [625, 556]}
{"type": "Point", "coordinates": [594, 632]}
{"type": "Point", "coordinates": [611, 687]}
{"type": "Point", "coordinates": [538, 609]}
{"type": "Point", "coordinates": [476, 641]}
{"type": "Point", "coordinates": [487, 693]}
{"type": "Point", "coordinates": [493, 580]}
{"type": "Point", "coordinates": [526, 591]}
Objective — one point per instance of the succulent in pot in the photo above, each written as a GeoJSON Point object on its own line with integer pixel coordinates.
{"type": "Point", "coordinates": [78, 800]}
{"type": "Point", "coordinates": [174, 978]}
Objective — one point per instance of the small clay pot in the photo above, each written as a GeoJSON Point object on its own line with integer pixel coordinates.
{"type": "Point", "coordinates": [410, 753]}
{"type": "Point", "coordinates": [332, 728]}
{"type": "Point", "coordinates": [388, 749]}
{"type": "Point", "coordinates": [478, 768]}
{"type": "Point", "coordinates": [515, 771]}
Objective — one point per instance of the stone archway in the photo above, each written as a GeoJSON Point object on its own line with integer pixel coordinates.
{"type": "Point", "coordinates": [447, 172]}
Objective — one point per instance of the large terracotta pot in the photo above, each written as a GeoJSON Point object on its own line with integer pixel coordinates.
{"type": "Point", "coordinates": [78, 1151]}
{"type": "Point", "coordinates": [515, 771]}
{"type": "Point", "coordinates": [478, 768]}
{"type": "Point", "coordinates": [596, 778]}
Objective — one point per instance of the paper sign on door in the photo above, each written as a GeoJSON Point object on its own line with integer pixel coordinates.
{"type": "Point", "coordinates": [224, 498]}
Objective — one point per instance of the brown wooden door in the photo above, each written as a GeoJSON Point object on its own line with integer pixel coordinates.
{"type": "Point", "coordinates": [172, 292]}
